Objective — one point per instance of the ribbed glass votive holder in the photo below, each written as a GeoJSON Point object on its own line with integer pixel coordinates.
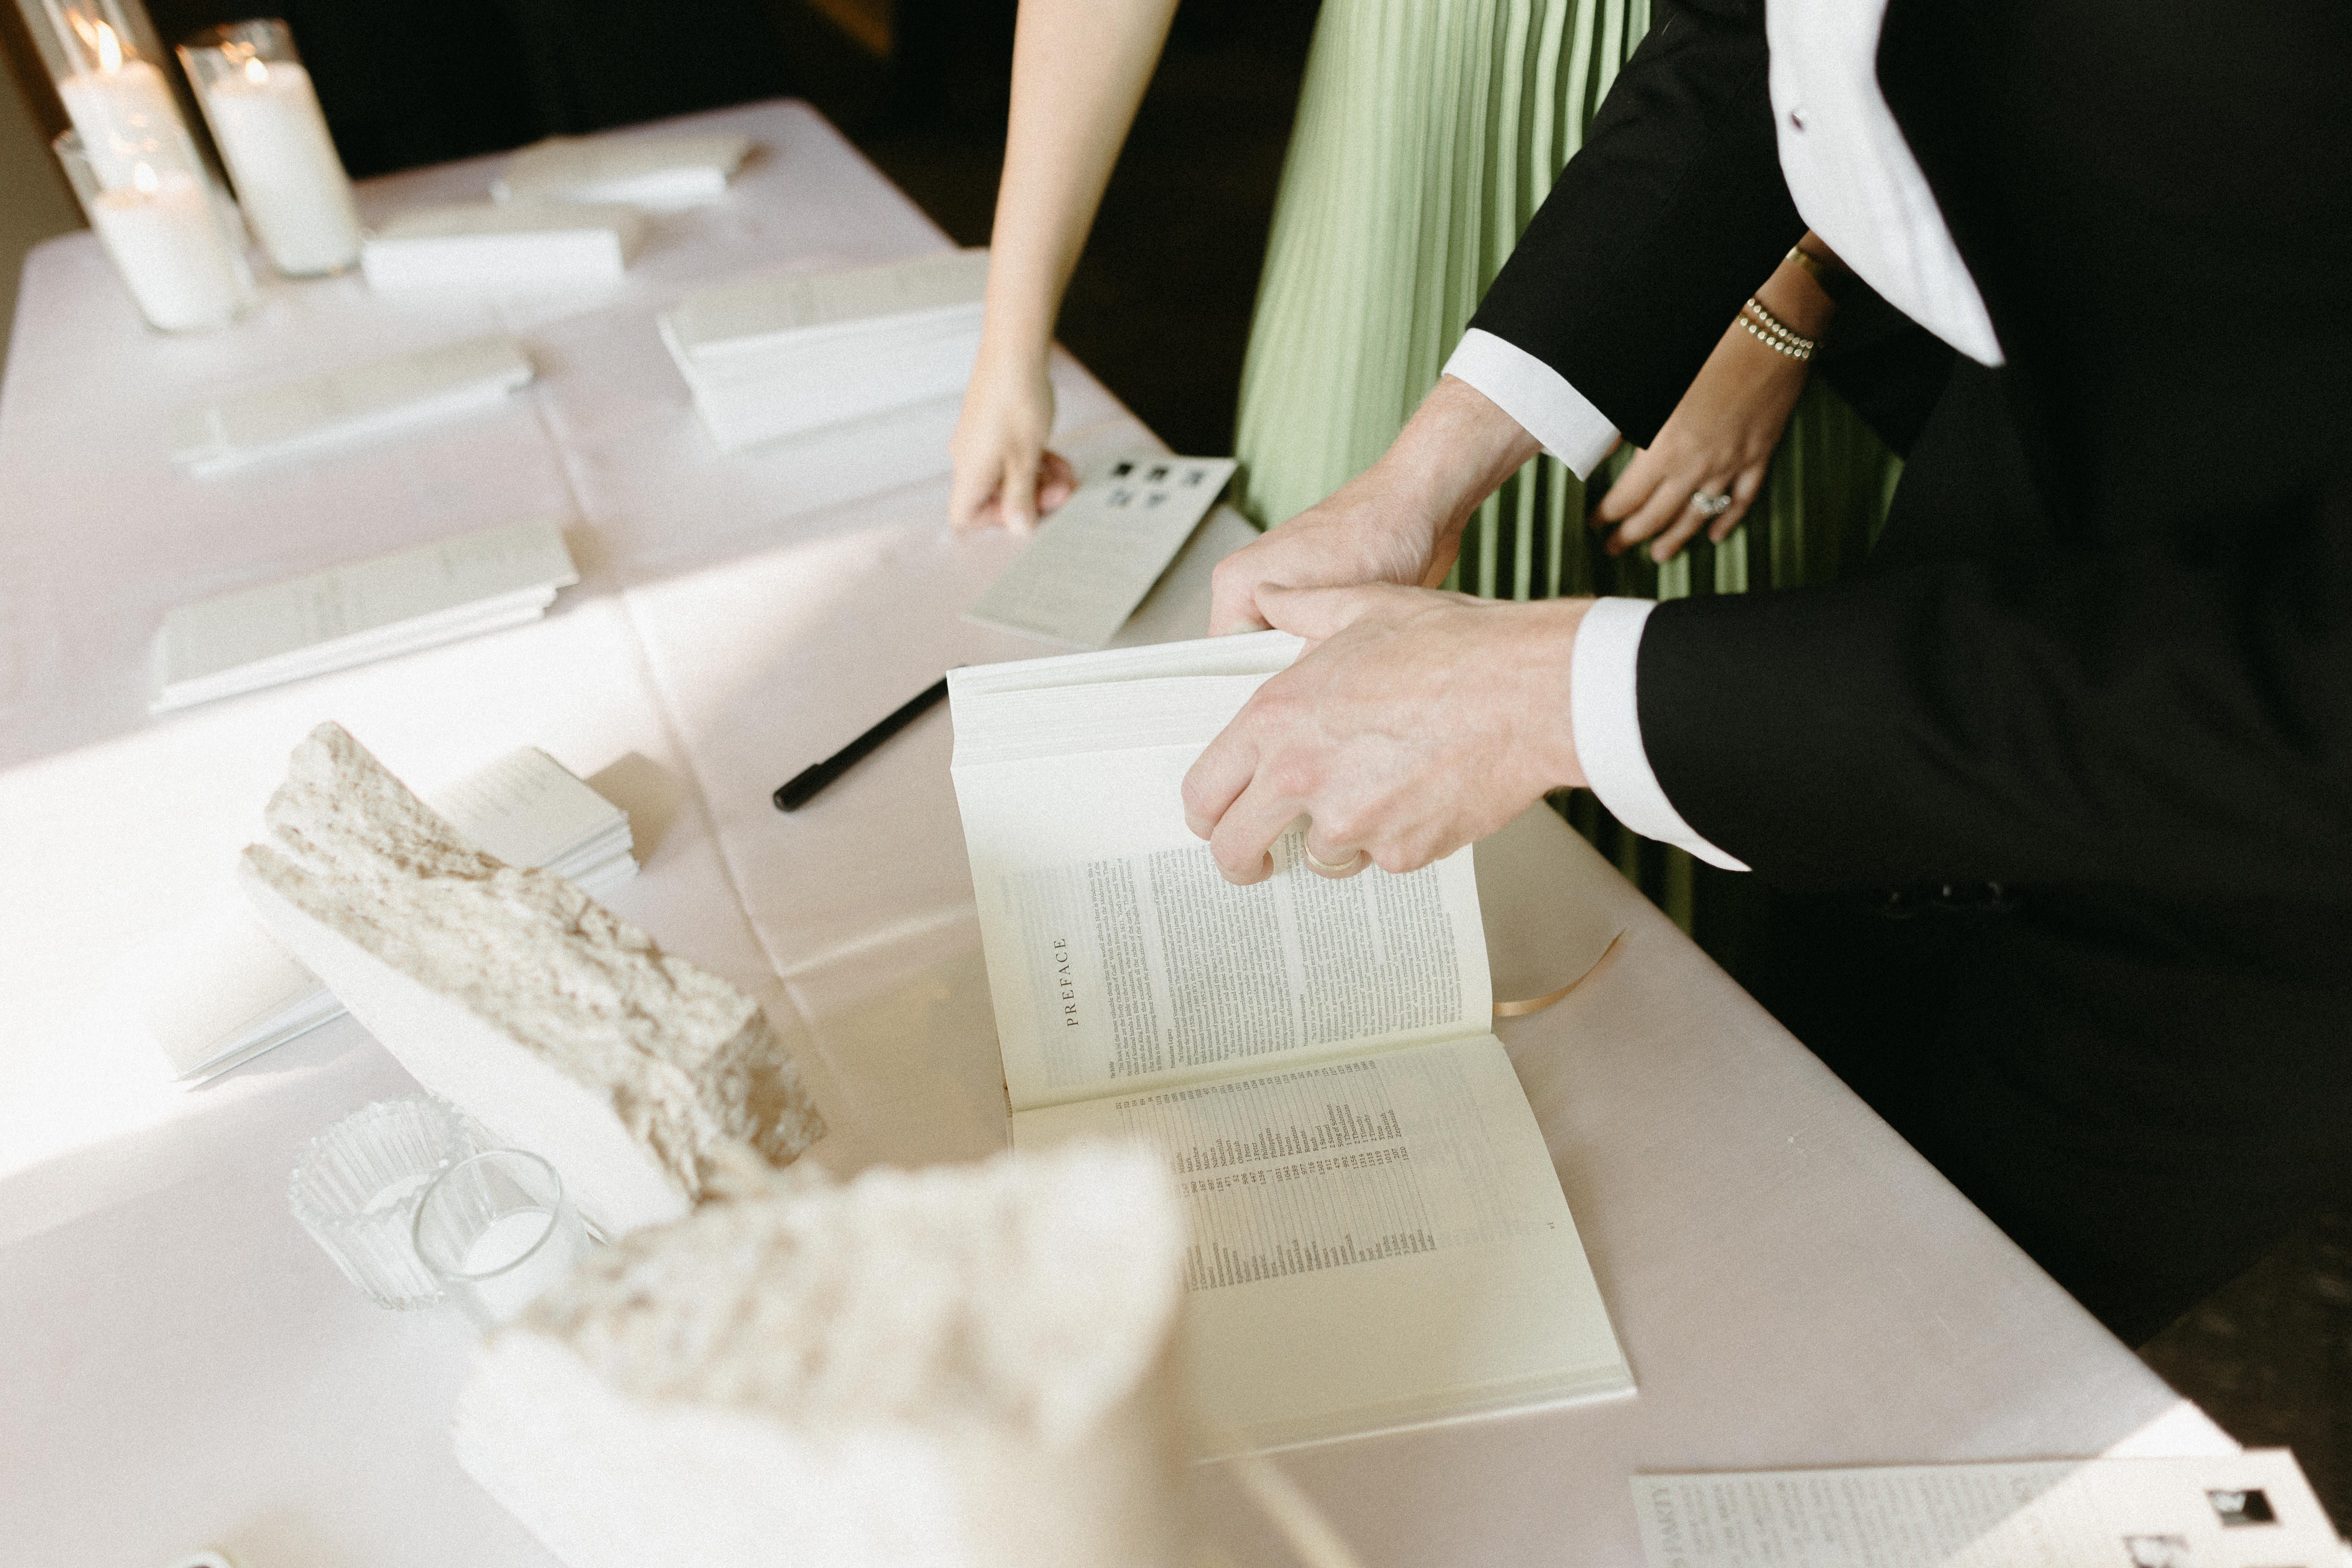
{"type": "Point", "coordinates": [356, 1186]}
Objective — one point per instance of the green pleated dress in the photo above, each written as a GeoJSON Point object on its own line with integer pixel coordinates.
{"type": "Point", "coordinates": [1428, 133]}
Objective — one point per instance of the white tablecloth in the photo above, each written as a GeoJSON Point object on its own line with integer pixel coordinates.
{"type": "Point", "coordinates": [178, 1365]}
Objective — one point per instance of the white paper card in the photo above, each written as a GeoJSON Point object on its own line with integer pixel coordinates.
{"type": "Point", "coordinates": [664, 172]}
{"type": "Point", "coordinates": [515, 246]}
{"type": "Point", "coordinates": [1098, 555]}
{"type": "Point", "coordinates": [738, 317]}
{"type": "Point", "coordinates": [333, 619]}
{"type": "Point", "coordinates": [298, 418]}
{"type": "Point", "coordinates": [2245, 1510]}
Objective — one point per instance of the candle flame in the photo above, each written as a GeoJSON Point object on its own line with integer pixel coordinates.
{"type": "Point", "coordinates": [255, 71]}
{"type": "Point", "coordinates": [109, 48]}
{"type": "Point", "coordinates": [144, 177]}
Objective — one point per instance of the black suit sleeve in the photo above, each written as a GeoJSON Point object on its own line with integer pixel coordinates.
{"type": "Point", "coordinates": [1669, 216]}
{"type": "Point", "coordinates": [2167, 714]}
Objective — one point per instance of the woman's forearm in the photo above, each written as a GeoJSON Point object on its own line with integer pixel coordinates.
{"type": "Point", "coordinates": [1079, 68]}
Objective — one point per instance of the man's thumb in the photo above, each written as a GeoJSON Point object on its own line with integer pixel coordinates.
{"type": "Point", "coordinates": [1314, 614]}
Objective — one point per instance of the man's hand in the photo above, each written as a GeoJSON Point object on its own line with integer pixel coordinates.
{"type": "Point", "coordinates": [1417, 722]}
{"type": "Point", "coordinates": [1399, 521]}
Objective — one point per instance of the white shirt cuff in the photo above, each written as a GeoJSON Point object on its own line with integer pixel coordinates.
{"type": "Point", "coordinates": [1604, 710]}
{"type": "Point", "coordinates": [1537, 396]}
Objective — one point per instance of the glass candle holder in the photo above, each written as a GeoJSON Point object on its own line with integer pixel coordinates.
{"type": "Point", "coordinates": [173, 237]}
{"type": "Point", "coordinates": [266, 121]}
{"type": "Point", "coordinates": [498, 1231]}
{"type": "Point", "coordinates": [357, 1185]}
{"type": "Point", "coordinates": [103, 55]}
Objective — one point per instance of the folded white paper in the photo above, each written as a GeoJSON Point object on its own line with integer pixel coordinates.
{"type": "Point", "coordinates": [320, 413]}
{"type": "Point", "coordinates": [777, 356]}
{"type": "Point", "coordinates": [1095, 557]}
{"type": "Point", "coordinates": [769, 312]}
{"type": "Point", "coordinates": [661, 172]}
{"type": "Point", "coordinates": [354, 614]}
{"type": "Point", "coordinates": [511, 246]}
{"type": "Point", "coordinates": [2243, 1511]}
{"type": "Point", "coordinates": [219, 990]}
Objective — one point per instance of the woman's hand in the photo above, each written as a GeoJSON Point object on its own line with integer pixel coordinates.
{"type": "Point", "coordinates": [1718, 440]}
{"type": "Point", "coordinates": [1003, 473]}
{"type": "Point", "coordinates": [1079, 67]}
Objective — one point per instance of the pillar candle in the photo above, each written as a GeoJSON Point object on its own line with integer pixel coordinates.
{"type": "Point", "coordinates": [166, 241]}
{"type": "Point", "coordinates": [126, 117]}
{"type": "Point", "coordinates": [265, 116]}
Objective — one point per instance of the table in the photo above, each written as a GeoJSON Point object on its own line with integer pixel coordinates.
{"type": "Point", "coordinates": [178, 1365]}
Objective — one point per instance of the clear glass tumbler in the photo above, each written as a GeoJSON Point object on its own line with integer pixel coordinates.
{"type": "Point", "coordinates": [499, 1232]}
{"type": "Point", "coordinates": [356, 1187]}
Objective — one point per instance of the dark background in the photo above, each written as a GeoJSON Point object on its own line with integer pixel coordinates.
{"type": "Point", "coordinates": [1160, 310]}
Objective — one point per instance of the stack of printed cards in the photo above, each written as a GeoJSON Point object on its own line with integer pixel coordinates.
{"type": "Point", "coordinates": [659, 171]}
{"type": "Point", "coordinates": [780, 355]}
{"type": "Point", "coordinates": [513, 245]}
{"type": "Point", "coordinates": [1098, 555]}
{"type": "Point", "coordinates": [357, 614]}
{"type": "Point", "coordinates": [219, 990]}
{"type": "Point", "coordinates": [324, 412]}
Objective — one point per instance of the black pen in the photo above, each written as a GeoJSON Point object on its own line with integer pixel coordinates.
{"type": "Point", "coordinates": [803, 786]}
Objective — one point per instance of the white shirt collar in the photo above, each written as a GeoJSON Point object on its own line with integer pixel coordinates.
{"type": "Point", "coordinates": [1855, 180]}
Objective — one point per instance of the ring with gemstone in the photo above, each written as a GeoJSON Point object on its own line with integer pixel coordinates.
{"type": "Point", "coordinates": [1343, 869]}
{"type": "Point", "coordinates": [1710, 504]}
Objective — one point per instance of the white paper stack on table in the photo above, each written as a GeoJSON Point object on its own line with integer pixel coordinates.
{"type": "Point", "coordinates": [1094, 559]}
{"type": "Point", "coordinates": [514, 245]}
{"type": "Point", "coordinates": [777, 356]}
{"type": "Point", "coordinates": [660, 171]}
{"type": "Point", "coordinates": [355, 615]}
{"type": "Point", "coordinates": [324, 412]}
{"type": "Point", "coordinates": [219, 991]}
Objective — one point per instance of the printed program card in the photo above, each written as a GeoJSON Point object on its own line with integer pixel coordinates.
{"type": "Point", "coordinates": [1098, 555]}
{"type": "Point", "coordinates": [352, 615]}
{"type": "Point", "coordinates": [2245, 1510]}
{"type": "Point", "coordinates": [297, 419]}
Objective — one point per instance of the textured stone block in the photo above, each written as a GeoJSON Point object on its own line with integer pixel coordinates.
{"type": "Point", "coordinates": [960, 1367]}
{"type": "Point", "coordinates": [561, 1028]}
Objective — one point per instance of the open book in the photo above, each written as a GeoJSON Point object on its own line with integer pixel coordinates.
{"type": "Point", "coordinates": [1378, 1239]}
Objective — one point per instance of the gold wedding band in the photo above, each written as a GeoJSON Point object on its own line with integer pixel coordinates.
{"type": "Point", "coordinates": [1328, 870]}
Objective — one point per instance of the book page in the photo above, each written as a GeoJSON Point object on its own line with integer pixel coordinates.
{"type": "Point", "coordinates": [1118, 955]}
{"type": "Point", "coordinates": [2242, 1510]}
{"type": "Point", "coordinates": [1406, 1196]}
